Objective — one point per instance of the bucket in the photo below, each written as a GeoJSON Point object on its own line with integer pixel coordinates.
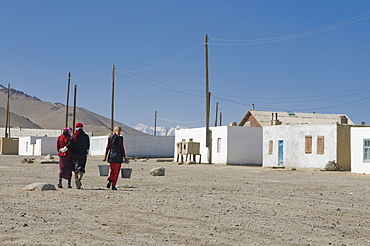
{"type": "Point", "coordinates": [103, 170]}
{"type": "Point", "coordinates": [126, 173]}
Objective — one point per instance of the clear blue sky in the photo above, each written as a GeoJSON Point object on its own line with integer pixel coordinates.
{"type": "Point", "coordinates": [302, 56]}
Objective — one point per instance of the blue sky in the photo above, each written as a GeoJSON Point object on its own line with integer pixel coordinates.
{"type": "Point", "coordinates": [302, 56]}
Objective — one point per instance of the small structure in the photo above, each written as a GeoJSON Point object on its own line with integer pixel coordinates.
{"type": "Point", "coordinates": [9, 146]}
{"type": "Point", "coordinates": [231, 145]}
{"type": "Point", "coordinates": [307, 146]}
{"type": "Point", "coordinates": [189, 149]}
{"type": "Point", "coordinates": [360, 149]}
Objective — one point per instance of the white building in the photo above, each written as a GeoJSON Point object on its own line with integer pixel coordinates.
{"type": "Point", "coordinates": [231, 145]}
{"type": "Point", "coordinates": [37, 146]}
{"type": "Point", "coordinates": [137, 145]}
{"type": "Point", "coordinates": [360, 149]}
{"type": "Point", "coordinates": [307, 146]}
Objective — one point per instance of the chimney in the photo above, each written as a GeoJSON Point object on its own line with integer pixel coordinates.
{"type": "Point", "coordinates": [343, 119]}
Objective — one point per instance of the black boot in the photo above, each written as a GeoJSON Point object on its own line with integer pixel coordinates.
{"type": "Point", "coordinates": [114, 187]}
{"type": "Point", "coordinates": [109, 183]}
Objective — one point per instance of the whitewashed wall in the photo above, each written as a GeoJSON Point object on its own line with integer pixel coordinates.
{"type": "Point", "coordinates": [27, 145]}
{"type": "Point", "coordinates": [198, 135]}
{"type": "Point", "coordinates": [137, 145]}
{"type": "Point", "coordinates": [16, 132]}
{"type": "Point", "coordinates": [358, 134]}
{"type": "Point", "coordinates": [238, 145]}
{"type": "Point", "coordinates": [294, 145]}
{"type": "Point", "coordinates": [245, 145]}
{"type": "Point", "coordinates": [46, 145]}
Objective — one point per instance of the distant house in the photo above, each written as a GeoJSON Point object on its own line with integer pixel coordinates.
{"type": "Point", "coordinates": [254, 118]}
{"type": "Point", "coordinates": [37, 145]}
{"type": "Point", "coordinates": [360, 149]}
{"type": "Point", "coordinates": [307, 146]}
{"type": "Point", "coordinates": [231, 145]}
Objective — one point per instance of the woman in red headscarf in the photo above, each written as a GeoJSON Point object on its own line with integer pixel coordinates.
{"type": "Point", "coordinates": [80, 145]}
{"type": "Point", "coordinates": [65, 159]}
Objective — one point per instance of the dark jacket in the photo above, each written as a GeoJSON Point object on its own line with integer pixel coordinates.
{"type": "Point", "coordinates": [115, 149]}
{"type": "Point", "coordinates": [81, 145]}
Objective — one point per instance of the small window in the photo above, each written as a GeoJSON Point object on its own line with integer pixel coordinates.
{"type": "Point", "coordinates": [308, 144]}
{"type": "Point", "coordinates": [218, 145]}
{"type": "Point", "coordinates": [320, 145]}
{"type": "Point", "coordinates": [26, 146]}
{"type": "Point", "coordinates": [271, 147]}
{"type": "Point", "coordinates": [366, 150]}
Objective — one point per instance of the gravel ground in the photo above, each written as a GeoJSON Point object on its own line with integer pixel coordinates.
{"type": "Point", "coordinates": [191, 205]}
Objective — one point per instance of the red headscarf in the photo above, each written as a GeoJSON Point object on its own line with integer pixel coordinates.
{"type": "Point", "coordinates": [79, 129]}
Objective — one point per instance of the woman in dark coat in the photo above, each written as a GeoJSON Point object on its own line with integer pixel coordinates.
{"type": "Point", "coordinates": [80, 145]}
{"type": "Point", "coordinates": [116, 155]}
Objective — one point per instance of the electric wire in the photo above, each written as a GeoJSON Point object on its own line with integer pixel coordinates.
{"type": "Point", "coordinates": [294, 36]}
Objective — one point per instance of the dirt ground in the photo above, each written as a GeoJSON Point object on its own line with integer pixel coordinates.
{"type": "Point", "coordinates": [195, 204]}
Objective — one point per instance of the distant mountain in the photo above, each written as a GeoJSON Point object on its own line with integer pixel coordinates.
{"type": "Point", "coordinates": [31, 112]}
{"type": "Point", "coordinates": [160, 131]}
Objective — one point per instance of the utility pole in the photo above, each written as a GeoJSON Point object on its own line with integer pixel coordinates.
{"type": "Point", "coordinates": [216, 113]}
{"type": "Point", "coordinates": [69, 85]}
{"type": "Point", "coordinates": [220, 119]}
{"type": "Point", "coordinates": [7, 120]}
{"type": "Point", "coordinates": [112, 113]}
{"type": "Point", "coordinates": [74, 109]}
{"type": "Point", "coordinates": [208, 132]}
{"type": "Point", "coordinates": [155, 123]}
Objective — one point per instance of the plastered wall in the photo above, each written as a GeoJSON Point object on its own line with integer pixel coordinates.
{"type": "Point", "coordinates": [293, 137]}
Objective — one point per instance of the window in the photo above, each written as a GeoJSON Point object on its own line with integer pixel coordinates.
{"type": "Point", "coordinates": [308, 144]}
{"type": "Point", "coordinates": [271, 147]}
{"type": "Point", "coordinates": [366, 150]}
{"type": "Point", "coordinates": [320, 145]}
{"type": "Point", "coordinates": [218, 145]}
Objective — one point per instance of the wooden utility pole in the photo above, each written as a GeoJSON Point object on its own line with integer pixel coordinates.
{"type": "Point", "coordinates": [67, 103]}
{"type": "Point", "coordinates": [7, 120]}
{"type": "Point", "coordinates": [74, 109]}
{"type": "Point", "coordinates": [220, 119]}
{"type": "Point", "coordinates": [216, 113]}
{"type": "Point", "coordinates": [112, 112]}
{"type": "Point", "coordinates": [208, 132]}
{"type": "Point", "coordinates": [155, 123]}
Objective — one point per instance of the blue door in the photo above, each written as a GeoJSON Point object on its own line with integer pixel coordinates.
{"type": "Point", "coordinates": [281, 152]}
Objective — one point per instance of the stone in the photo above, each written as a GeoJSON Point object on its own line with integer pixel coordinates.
{"type": "Point", "coordinates": [158, 171]}
{"type": "Point", "coordinates": [39, 186]}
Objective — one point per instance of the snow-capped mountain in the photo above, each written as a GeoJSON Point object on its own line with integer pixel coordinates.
{"type": "Point", "coordinates": [161, 130]}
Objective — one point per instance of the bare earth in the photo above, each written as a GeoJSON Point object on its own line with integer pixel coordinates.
{"type": "Point", "coordinates": [191, 205]}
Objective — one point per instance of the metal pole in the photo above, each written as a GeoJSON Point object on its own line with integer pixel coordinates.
{"type": "Point", "coordinates": [112, 113]}
{"type": "Point", "coordinates": [155, 123]}
{"type": "Point", "coordinates": [216, 113]}
{"type": "Point", "coordinates": [7, 120]}
{"type": "Point", "coordinates": [67, 103]}
{"type": "Point", "coordinates": [74, 109]}
{"type": "Point", "coordinates": [208, 133]}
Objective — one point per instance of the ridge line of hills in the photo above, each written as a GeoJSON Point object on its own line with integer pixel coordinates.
{"type": "Point", "coordinates": [30, 112]}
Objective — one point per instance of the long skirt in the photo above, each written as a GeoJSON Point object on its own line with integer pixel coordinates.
{"type": "Point", "coordinates": [65, 165]}
{"type": "Point", "coordinates": [115, 168]}
{"type": "Point", "coordinates": [79, 163]}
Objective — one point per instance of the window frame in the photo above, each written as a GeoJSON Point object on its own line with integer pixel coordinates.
{"type": "Point", "coordinates": [364, 148]}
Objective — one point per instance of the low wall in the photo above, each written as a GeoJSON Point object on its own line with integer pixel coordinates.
{"type": "Point", "coordinates": [137, 145]}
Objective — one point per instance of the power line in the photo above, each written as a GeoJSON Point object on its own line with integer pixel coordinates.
{"type": "Point", "coordinates": [297, 35]}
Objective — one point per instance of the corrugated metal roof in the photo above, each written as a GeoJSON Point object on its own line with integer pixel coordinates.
{"type": "Point", "coordinates": [293, 118]}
